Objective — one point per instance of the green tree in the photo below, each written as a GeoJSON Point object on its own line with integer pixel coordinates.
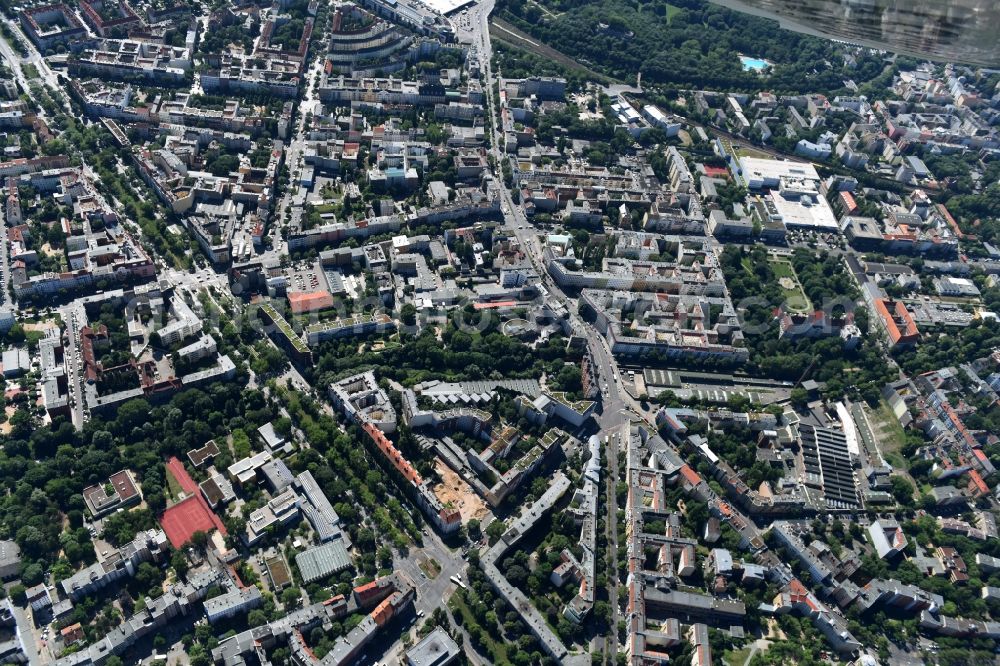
{"type": "Point", "coordinates": [148, 578]}
{"type": "Point", "coordinates": [179, 562]}
{"type": "Point", "coordinates": [408, 314]}
{"type": "Point", "coordinates": [199, 539]}
{"type": "Point", "coordinates": [291, 597]}
{"type": "Point", "coordinates": [495, 531]}
{"type": "Point", "coordinates": [902, 490]}
{"type": "Point", "coordinates": [799, 397]}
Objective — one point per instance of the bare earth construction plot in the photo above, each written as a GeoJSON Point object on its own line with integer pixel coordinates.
{"type": "Point", "coordinates": [453, 491]}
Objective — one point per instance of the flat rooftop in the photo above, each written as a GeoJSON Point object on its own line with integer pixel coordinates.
{"type": "Point", "coordinates": [321, 561]}
{"type": "Point", "coordinates": [805, 212]}
{"type": "Point", "coordinates": [774, 170]}
{"type": "Point", "coordinates": [436, 649]}
{"type": "Point", "coordinates": [447, 6]}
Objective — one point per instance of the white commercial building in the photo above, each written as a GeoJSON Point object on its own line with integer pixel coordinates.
{"type": "Point", "coordinates": [758, 173]}
{"type": "Point", "coordinates": [953, 286]}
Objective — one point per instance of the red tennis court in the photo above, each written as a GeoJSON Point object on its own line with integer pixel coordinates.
{"type": "Point", "coordinates": [190, 515]}
{"type": "Point", "coordinates": [176, 468]}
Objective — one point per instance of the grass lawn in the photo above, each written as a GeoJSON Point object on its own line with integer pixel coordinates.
{"type": "Point", "coordinates": [794, 298]}
{"type": "Point", "coordinates": [498, 650]}
{"type": "Point", "coordinates": [782, 269]}
{"type": "Point", "coordinates": [30, 71]}
{"type": "Point", "coordinates": [672, 10]}
{"type": "Point", "coordinates": [430, 567]}
{"type": "Point", "coordinates": [173, 487]}
{"type": "Point", "coordinates": [746, 151]}
{"type": "Point", "coordinates": [737, 657]}
{"type": "Point", "coordinates": [889, 433]}
{"type": "Point", "coordinates": [386, 345]}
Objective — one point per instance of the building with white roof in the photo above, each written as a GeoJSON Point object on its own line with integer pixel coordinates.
{"type": "Point", "coordinates": [16, 362]}
{"type": "Point", "coordinates": [955, 286]}
{"type": "Point", "coordinates": [436, 649]}
{"type": "Point", "coordinates": [799, 203]}
{"type": "Point", "coordinates": [758, 173]}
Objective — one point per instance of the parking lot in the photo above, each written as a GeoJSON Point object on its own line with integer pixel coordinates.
{"type": "Point", "coordinates": [817, 239]}
{"type": "Point", "coordinates": [305, 277]}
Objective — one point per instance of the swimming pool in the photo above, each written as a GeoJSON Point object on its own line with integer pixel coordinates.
{"type": "Point", "coordinates": [753, 64]}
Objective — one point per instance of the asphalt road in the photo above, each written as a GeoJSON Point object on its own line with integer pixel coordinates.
{"type": "Point", "coordinates": [4, 264]}
{"type": "Point", "coordinates": [13, 59]}
{"type": "Point", "coordinates": [293, 154]}
{"type": "Point", "coordinates": [431, 592]}
{"type": "Point", "coordinates": [618, 407]}
{"type": "Point", "coordinates": [611, 527]}
{"type": "Point", "coordinates": [45, 74]}
{"type": "Point", "coordinates": [26, 627]}
{"type": "Point", "coordinates": [75, 318]}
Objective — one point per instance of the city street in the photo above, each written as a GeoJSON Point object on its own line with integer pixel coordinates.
{"type": "Point", "coordinates": [617, 406]}
{"type": "Point", "coordinates": [621, 248]}
{"type": "Point", "coordinates": [612, 450]}
{"type": "Point", "coordinates": [45, 74]}
{"type": "Point", "coordinates": [75, 318]}
{"type": "Point", "coordinates": [30, 640]}
{"type": "Point", "coordinates": [13, 59]}
{"type": "Point", "coordinates": [4, 264]}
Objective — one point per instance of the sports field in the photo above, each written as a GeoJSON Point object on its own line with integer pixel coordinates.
{"type": "Point", "coordinates": [190, 515]}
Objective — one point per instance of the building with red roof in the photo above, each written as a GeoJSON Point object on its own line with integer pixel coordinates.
{"type": "Point", "coordinates": [897, 322]}
{"type": "Point", "coordinates": [309, 301]}
{"type": "Point", "coordinates": [977, 486]}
